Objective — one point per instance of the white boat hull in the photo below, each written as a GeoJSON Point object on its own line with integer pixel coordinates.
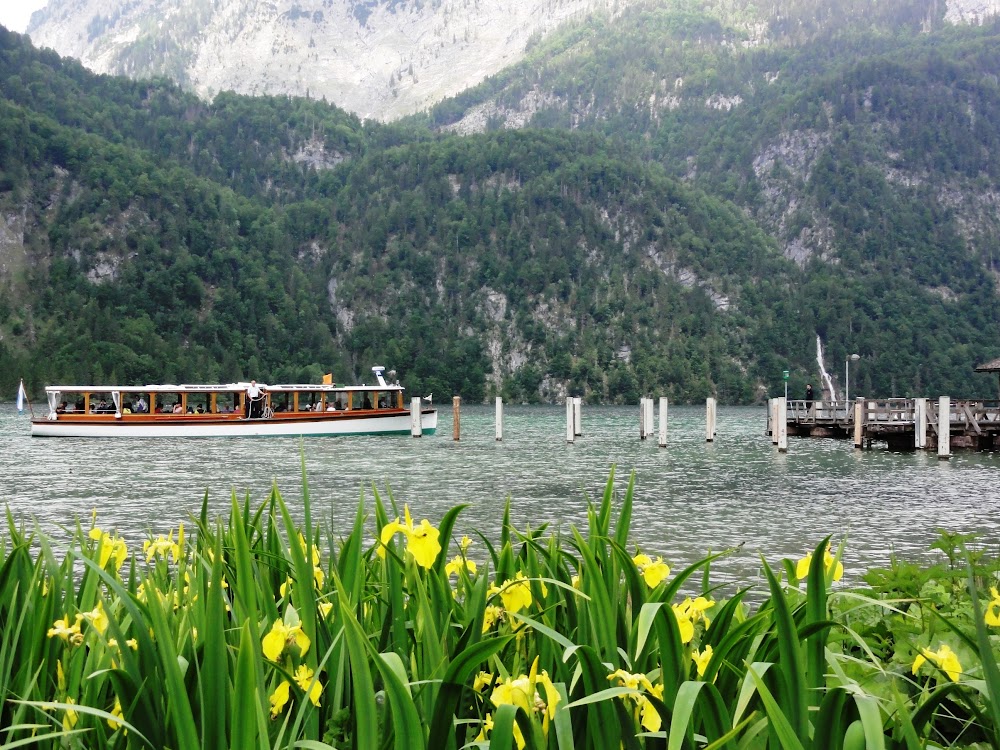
{"type": "Point", "coordinates": [342, 424]}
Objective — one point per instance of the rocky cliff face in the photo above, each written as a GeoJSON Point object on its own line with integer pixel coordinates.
{"type": "Point", "coordinates": [378, 58]}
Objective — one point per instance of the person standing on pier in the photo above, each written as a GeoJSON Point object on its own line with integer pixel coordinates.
{"type": "Point", "coordinates": [809, 395]}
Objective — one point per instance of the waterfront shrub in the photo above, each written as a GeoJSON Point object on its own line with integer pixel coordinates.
{"type": "Point", "coordinates": [258, 631]}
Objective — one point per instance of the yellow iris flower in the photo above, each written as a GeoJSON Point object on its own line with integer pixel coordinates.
{"type": "Point", "coordinates": [649, 717]}
{"type": "Point", "coordinates": [304, 679]}
{"type": "Point", "coordinates": [689, 613]}
{"type": "Point", "coordinates": [523, 692]}
{"type": "Point", "coordinates": [802, 566]}
{"type": "Point", "coordinates": [117, 713]}
{"type": "Point", "coordinates": [165, 545]}
{"type": "Point", "coordinates": [459, 563]}
{"type": "Point", "coordinates": [992, 616]}
{"type": "Point", "coordinates": [279, 698]}
{"type": "Point", "coordinates": [282, 635]}
{"type": "Point", "coordinates": [97, 618]}
{"type": "Point", "coordinates": [70, 716]}
{"type": "Point", "coordinates": [652, 571]}
{"type": "Point", "coordinates": [646, 712]}
{"type": "Point", "coordinates": [944, 659]}
{"type": "Point", "coordinates": [69, 633]}
{"type": "Point", "coordinates": [491, 616]}
{"type": "Point", "coordinates": [421, 541]}
{"type": "Point", "coordinates": [483, 680]}
{"type": "Point", "coordinates": [701, 659]}
{"type": "Point", "coordinates": [108, 548]}
{"type": "Point", "coordinates": [487, 727]}
{"type": "Point", "coordinates": [515, 593]}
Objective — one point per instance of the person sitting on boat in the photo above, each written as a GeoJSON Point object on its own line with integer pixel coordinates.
{"type": "Point", "coordinates": [178, 409]}
{"type": "Point", "coordinates": [61, 409]}
{"type": "Point", "coordinates": [102, 407]}
{"type": "Point", "coordinates": [367, 403]}
{"type": "Point", "coordinates": [140, 406]}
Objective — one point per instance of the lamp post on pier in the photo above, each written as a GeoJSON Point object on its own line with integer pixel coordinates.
{"type": "Point", "coordinates": [847, 377]}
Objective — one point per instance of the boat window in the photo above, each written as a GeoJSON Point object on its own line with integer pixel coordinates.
{"type": "Point", "coordinates": [136, 403]}
{"type": "Point", "coordinates": [102, 403]}
{"type": "Point", "coordinates": [73, 403]}
{"type": "Point", "coordinates": [310, 401]}
{"type": "Point", "coordinates": [227, 403]}
{"type": "Point", "coordinates": [169, 403]}
{"type": "Point", "coordinates": [281, 402]}
{"type": "Point", "coordinates": [198, 403]}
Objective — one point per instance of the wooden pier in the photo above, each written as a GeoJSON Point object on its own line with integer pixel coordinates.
{"type": "Point", "coordinates": [971, 423]}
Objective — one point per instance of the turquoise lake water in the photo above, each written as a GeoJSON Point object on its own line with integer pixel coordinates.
{"type": "Point", "coordinates": [690, 497]}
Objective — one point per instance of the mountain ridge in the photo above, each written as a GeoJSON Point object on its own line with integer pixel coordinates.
{"type": "Point", "coordinates": [377, 59]}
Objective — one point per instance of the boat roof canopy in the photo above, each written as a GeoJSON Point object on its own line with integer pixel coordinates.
{"type": "Point", "coordinates": [219, 388]}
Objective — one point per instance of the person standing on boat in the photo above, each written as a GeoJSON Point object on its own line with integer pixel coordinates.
{"type": "Point", "coordinates": [255, 400]}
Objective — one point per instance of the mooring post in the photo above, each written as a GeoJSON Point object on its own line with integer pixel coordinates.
{"type": "Point", "coordinates": [709, 419]}
{"type": "Point", "coordinates": [456, 407]}
{"type": "Point", "coordinates": [499, 417]}
{"type": "Point", "coordinates": [570, 428]}
{"type": "Point", "coordinates": [944, 427]}
{"type": "Point", "coordinates": [859, 423]}
{"type": "Point", "coordinates": [650, 416]}
{"type": "Point", "coordinates": [642, 417]}
{"type": "Point", "coordinates": [578, 415]}
{"type": "Point", "coordinates": [416, 429]}
{"type": "Point", "coordinates": [663, 421]}
{"type": "Point", "coordinates": [773, 416]}
{"type": "Point", "coordinates": [782, 421]}
{"type": "Point", "coordinates": [920, 423]}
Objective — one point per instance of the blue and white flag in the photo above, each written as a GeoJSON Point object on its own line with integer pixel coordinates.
{"type": "Point", "coordinates": [21, 396]}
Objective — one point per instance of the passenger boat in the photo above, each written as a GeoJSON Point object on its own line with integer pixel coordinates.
{"type": "Point", "coordinates": [233, 410]}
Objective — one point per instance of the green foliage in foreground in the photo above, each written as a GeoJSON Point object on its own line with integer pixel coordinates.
{"type": "Point", "coordinates": [257, 632]}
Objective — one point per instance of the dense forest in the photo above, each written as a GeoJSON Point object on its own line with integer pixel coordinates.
{"type": "Point", "coordinates": [609, 250]}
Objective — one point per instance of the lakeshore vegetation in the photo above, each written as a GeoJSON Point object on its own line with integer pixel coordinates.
{"type": "Point", "coordinates": [261, 631]}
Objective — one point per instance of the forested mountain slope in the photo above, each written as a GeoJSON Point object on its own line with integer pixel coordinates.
{"type": "Point", "coordinates": [133, 251]}
{"type": "Point", "coordinates": [148, 236]}
{"type": "Point", "coordinates": [870, 152]}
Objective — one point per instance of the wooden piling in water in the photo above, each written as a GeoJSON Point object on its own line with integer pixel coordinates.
{"type": "Point", "coordinates": [499, 418]}
{"type": "Point", "coordinates": [456, 428]}
{"type": "Point", "coordinates": [709, 419]}
{"type": "Point", "coordinates": [663, 421]}
{"type": "Point", "coordinates": [773, 417]}
{"type": "Point", "coordinates": [577, 416]}
{"type": "Point", "coordinates": [650, 420]}
{"type": "Point", "coordinates": [642, 418]}
{"type": "Point", "coordinates": [944, 427]}
{"type": "Point", "coordinates": [920, 418]}
{"type": "Point", "coordinates": [782, 422]}
{"type": "Point", "coordinates": [570, 427]}
{"type": "Point", "coordinates": [416, 428]}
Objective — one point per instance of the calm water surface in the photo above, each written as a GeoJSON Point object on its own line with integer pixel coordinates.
{"type": "Point", "coordinates": [690, 496]}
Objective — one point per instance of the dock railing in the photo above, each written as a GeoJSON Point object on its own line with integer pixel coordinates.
{"type": "Point", "coordinates": [968, 416]}
{"type": "Point", "coordinates": [820, 412]}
